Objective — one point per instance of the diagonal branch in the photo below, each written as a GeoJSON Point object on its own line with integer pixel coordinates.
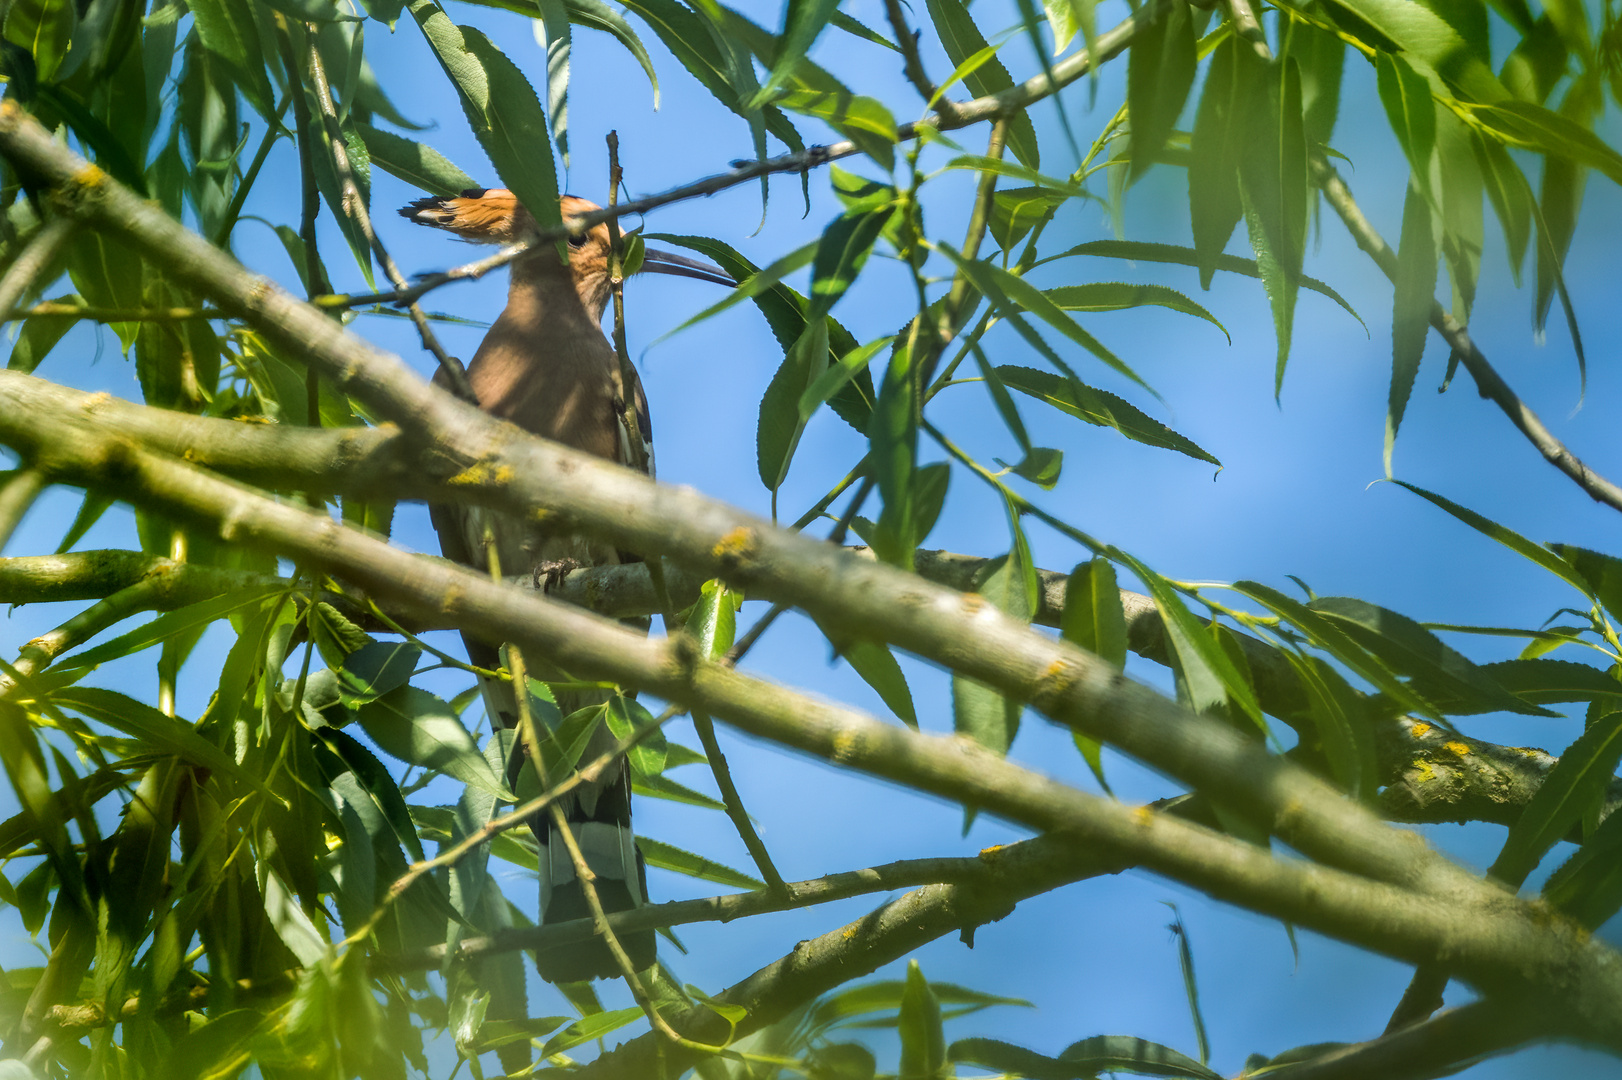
{"type": "Point", "coordinates": [521, 474]}
{"type": "Point", "coordinates": [1491, 940]}
{"type": "Point", "coordinates": [1489, 383]}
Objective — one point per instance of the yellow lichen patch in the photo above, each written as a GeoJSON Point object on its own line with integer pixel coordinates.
{"type": "Point", "coordinates": [736, 545]}
{"type": "Point", "coordinates": [1423, 773]}
{"type": "Point", "coordinates": [452, 599]}
{"type": "Point", "coordinates": [851, 931]}
{"type": "Point", "coordinates": [1456, 747]}
{"type": "Point", "coordinates": [988, 852]}
{"type": "Point", "coordinates": [483, 474]}
{"type": "Point", "coordinates": [1143, 815]}
{"type": "Point", "coordinates": [844, 746]}
{"type": "Point", "coordinates": [90, 176]}
{"type": "Point", "coordinates": [1420, 730]}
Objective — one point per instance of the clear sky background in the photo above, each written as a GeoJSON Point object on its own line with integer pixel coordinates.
{"type": "Point", "coordinates": [1294, 497]}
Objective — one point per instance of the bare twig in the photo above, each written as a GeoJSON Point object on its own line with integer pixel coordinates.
{"type": "Point", "coordinates": [43, 248]}
{"type": "Point", "coordinates": [1108, 45]}
{"type": "Point", "coordinates": [1488, 382]}
{"type": "Point", "coordinates": [273, 130]}
{"type": "Point", "coordinates": [17, 494]}
{"type": "Point", "coordinates": [1246, 25]}
{"type": "Point", "coordinates": [906, 40]}
{"type": "Point", "coordinates": [355, 206]}
{"type": "Point", "coordinates": [315, 276]}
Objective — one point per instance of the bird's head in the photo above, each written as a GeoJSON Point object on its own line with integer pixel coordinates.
{"type": "Point", "coordinates": [495, 216]}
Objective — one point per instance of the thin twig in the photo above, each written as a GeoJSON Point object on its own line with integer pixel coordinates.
{"type": "Point", "coordinates": [35, 259]}
{"type": "Point", "coordinates": [906, 39]}
{"type": "Point", "coordinates": [106, 315]}
{"type": "Point", "coordinates": [355, 206]}
{"type": "Point", "coordinates": [1246, 25]}
{"type": "Point", "coordinates": [1108, 45]}
{"type": "Point", "coordinates": [273, 129]}
{"type": "Point", "coordinates": [1489, 383]}
{"type": "Point", "coordinates": [17, 494]}
{"type": "Point", "coordinates": [315, 276]}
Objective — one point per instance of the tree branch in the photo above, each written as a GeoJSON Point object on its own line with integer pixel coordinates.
{"type": "Point", "coordinates": [1489, 383]}
{"type": "Point", "coordinates": [520, 474]}
{"type": "Point", "coordinates": [1486, 936]}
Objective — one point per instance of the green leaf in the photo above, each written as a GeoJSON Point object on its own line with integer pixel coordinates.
{"type": "Point", "coordinates": [501, 107]}
{"type": "Point", "coordinates": [375, 669]}
{"type": "Point", "coordinates": [1417, 30]}
{"type": "Point", "coordinates": [1217, 147]}
{"type": "Point", "coordinates": [1548, 132]}
{"type": "Point", "coordinates": [587, 1028]}
{"type": "Point", "coordinates": [1012, 294]}
{"type": "Point", "coordinates": [1124, 1053]}
{"type": "Point", "coordinates": [892, 437]}
{"type": "Point", "coordinates": [1182, 256]}
{"type": "Point", "coordinates": [1322, 58]}
{"type": "Point", "coordinates": [1208, 672]}
{"type": "Point", "coordinates": [856, 29]}
{"type": "Point", "coordinates": [669, 857]}
{"type": "Point", "coordinates": [782, 421]}
{"type": "Point", "coordinates": [1015, 211]}
{"type": "Point", "coordinates": [1436, 671]}
{"type": "Point", "coordinates": [714, 622]}
{"type": "Point", "coordinates": [1100, 408]}
{"type": "Point", "coordinates": [663, 787]}
{"type": "Point", "coordinates": [1552, 682]}
{"type": "Point", "coordinates": [1117, 1053]}
{"type": "Point", "coordinates": [1511, 198]}
{"type": "Point", "coordinates": [43, 28]}
{"type": "Point", "coordinates": [600, 16]}
{"type": "Point", "coordinates": [38, 336]}
{"type": "Point", "coordinates": [625, 715]}
{"type": "Point", "coordinates": [1551, 561]}
{"type": "Point", "coordinates": [227, 29]}
{"type": "Point", "coordinates": [1093, 617]}
{"type": "Point", "coordinates": [1588, 886]}
{"type": "Point", "coordinates": [173, 624]}
{"type": "Point", "coordinates": [1602, 574]}
{"type": "Point", "coordinates": [923, 1046]}
{"type": "Point", "coordinates": [1415, 289]}
{"type": "Point", "coordinates": [421, 729]}
{"type": "Point", "coordinates": [1065, 18]}
{"type": "Point", "coordinates": [1411, 111]}
{"type": "Point", "coordinates": [1160, 70]}
{"type": "Point", "coordinates": [416, 163]}
{"type": "Point", "coordinates": [552, 34]}
{"type": "Point", "coordinates": [785, 310]}
{"type": "Point", "coordinates": [1120, 295]}
{"type": "Point", "coordinates": [877, 666]}
{"type": "Point", "coordinates": [1572, 788]}
{"type": "Point", "coordinates": [803, 21]}
{"type": "Point", "coordinates": [165, 733]}
{"type": "Point", "coordinates": [980, 712]}
{"type": "Point", "coordinates": [1274, 193]}
{"type": "Point", "coordinates": [1340, 715]}
{"type": "Point", "coordinates": [962, 39]}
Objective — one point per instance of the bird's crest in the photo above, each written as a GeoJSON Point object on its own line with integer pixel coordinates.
{"type": "Point", "coordinates": [484, 215]}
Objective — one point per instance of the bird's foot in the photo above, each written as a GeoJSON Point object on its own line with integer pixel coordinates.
{"type": "Point", "coordinates": [550, 573]}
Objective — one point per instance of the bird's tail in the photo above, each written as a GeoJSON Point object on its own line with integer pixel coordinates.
{"type": "Point", "coordinates": [482, 215]}
{"type": "Point", "coordinates": [599, 817]}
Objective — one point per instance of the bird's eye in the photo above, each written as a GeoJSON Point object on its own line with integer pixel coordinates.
{"type": "Point", "coordinates": [577, 241]}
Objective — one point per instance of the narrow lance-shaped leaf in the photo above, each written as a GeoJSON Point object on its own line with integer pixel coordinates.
{"type": "Point", "coordinates": [803, 20]}
{"type": "Point", "coordinates": [1217, 148]}
{"type": "Point", "coordinates": [923, 1046]}
{"type": "Point", "coordinates": [1094, 619]}
{"type": "Point", "coordinates": [552, 34]}
{"type": "Point", "coordinates": [1577, 781]}
{"type": "Point", "coordinates": [1415, 289]}
{"type": "Point", "coordinates": [1160, 70]}
{"type": "Point", "coordinates": [1273, 175]}
{"type": "Point", "coordinates": [501, 107]}
{"type": "Point", "coordinates": [1098, 407]}
{"type": "Point", "coordinates": [962, 39]}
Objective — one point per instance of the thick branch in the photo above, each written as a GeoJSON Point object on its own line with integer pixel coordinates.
{"type": "Point", "coordinates": [1485, 935]}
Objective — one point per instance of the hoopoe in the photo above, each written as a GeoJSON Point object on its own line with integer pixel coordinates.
{"type": "Point", "coordinates": [546, 366]}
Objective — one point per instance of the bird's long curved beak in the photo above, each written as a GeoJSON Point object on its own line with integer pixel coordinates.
{"type": "Point", "coordinates": [655, 261]}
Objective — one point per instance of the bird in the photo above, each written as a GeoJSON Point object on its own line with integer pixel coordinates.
{"type": "Point", "coordinates": [546, 366]}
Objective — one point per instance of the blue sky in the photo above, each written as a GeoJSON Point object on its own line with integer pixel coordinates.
{"type": "Point", "coordinates": [1295, 496]}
